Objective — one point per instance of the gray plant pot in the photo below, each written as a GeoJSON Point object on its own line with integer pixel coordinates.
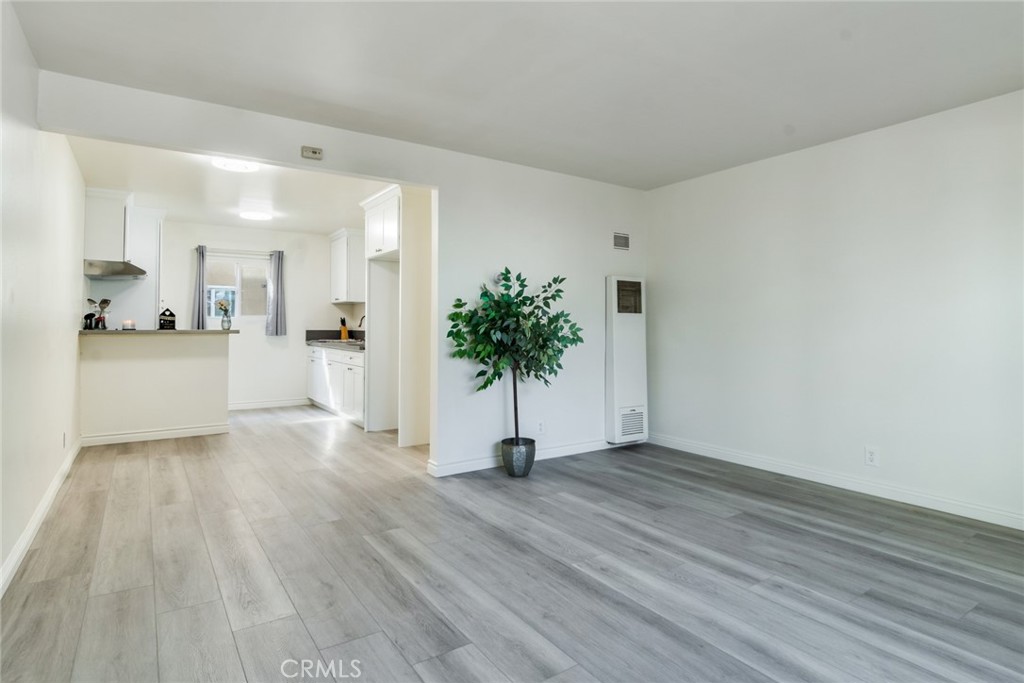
{"type": "Point", "coordinates": [517, 455]}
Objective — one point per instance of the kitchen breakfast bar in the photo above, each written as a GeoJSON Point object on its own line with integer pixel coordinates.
{"type": "Point", "coordinates": [141, 385]}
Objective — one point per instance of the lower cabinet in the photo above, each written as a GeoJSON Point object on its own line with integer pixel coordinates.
{"type": "Point", "coordinates": [334, 381]}
{"type": "Point", "coordinates": [347, 390]}
{"type": "Point", "coordinates": [316, 377]}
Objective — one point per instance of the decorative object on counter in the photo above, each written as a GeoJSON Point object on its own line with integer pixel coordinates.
{"type": "Point", "coordinates": [168, 320]}
{"type": "Point", "coordinates": [128, 325]}
{"type": "Point", "coordinates": [344, 330]}
{"type": "Point", "coordinates": [89, 320]}
{"type": "Point", "coordinates": [515, 332]}
{"type": "Point", "coordinates": [224, 306]}
{"type": "Point", "coordinates": [101, 319]}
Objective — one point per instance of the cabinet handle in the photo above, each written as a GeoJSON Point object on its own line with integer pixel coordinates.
{"type": "Point", "coordinates": [379, 250]}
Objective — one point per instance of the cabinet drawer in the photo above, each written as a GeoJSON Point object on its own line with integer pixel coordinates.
{"type": "Point", "coordinates": [346, 357]}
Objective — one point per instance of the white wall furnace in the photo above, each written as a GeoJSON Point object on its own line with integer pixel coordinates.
{"type": "Point", "coordinates": [626, 360]}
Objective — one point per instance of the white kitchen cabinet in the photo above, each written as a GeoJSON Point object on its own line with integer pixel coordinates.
{"type": "Point", "coordinates": [346, 390]}
{"type": "Point", "coordinates": [334, 381]}
{"type": "Point", "coordinates": [107, 222]}
{"type": "Point", "coordinates": [352, 392]}
{"type": "Point", "coordinates": [383, 223]}
{"type": "Point", "coordinates": [317, 386]}
{"type": "Point", "coordinates": [348, 267]}
{"type": "Point", "coordinates": [336, 385]}
{"type": "Point", "coordinates": [391, 228]}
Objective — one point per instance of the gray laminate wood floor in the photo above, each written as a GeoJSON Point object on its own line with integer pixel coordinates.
{"type": "Point", "coordinates": [298, 538]}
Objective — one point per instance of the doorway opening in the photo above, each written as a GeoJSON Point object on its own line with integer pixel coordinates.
{"type": "Point", "coordinates": [301, 211]}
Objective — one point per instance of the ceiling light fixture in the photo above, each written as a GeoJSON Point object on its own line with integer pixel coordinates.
{"type": "Point", "coordinates": [256, 215]}
{"type": "Point", "coordinates": [235, 165]}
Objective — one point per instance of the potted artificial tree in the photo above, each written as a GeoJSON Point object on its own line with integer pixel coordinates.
{"type": "Point", "coordinates": [510, 331]}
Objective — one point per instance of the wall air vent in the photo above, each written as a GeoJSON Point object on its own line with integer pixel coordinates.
{"type": "Point", "coordinates": [620, 240]}
{"type": "Point", "coordinates": [631, 422]}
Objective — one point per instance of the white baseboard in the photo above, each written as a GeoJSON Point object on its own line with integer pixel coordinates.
{"type": "Point", "coordinates": [985, 513]}
{"type": "Point", "coordinates": [17, 554]}
{"type": "Point", "coordinates": [484, 463]}
{"type": "Point", "coordinates": [153, 435]}
{"type": "Point", "coordinates": [279, 403]}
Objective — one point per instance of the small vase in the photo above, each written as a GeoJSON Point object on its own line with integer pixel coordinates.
{"type": "Point", "coordinates": [225, 322]}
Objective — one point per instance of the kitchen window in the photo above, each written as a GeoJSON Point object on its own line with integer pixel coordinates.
{"type": "Point", "coordinates": [241, 281]}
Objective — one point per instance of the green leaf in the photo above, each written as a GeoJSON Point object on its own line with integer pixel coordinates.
{"type": "Point", "coordinates": [511, 330]}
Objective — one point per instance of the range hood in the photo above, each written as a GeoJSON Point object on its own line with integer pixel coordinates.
{"type": "Point", "coordinates": [112, 270]}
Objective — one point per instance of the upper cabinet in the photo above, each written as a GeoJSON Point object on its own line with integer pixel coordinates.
{"type": "Point", "coordinates": [106, 225]}
{"type": "Point", "coordinates": [348, 267]}
{"type": "Point", "coordinates": [383, 223]}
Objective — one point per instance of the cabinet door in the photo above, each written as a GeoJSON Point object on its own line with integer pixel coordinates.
{"type": "Point", "coordinates": [357, 393]}
{"type": "Point", "coordinates": [336, 386]}
{"type": "Point", "coordinates": [316, 381]}
{"type": "Point", "coordinates": [311, 378]}
{"type": "Point", "coordinates": [391, 224]}
{"type": "Point", "coordinates": [374, 231]}
{"type": "Point", "coordinates": [355, 272]}
{"type": "Point", "coordinates": [339, 266]}
{"type": "Point", "coordinates": [104, 226]}
{"type": "Point", "coordinates": [348, 269]}
{"type": "Point", "coordinates": [352, 393]}
{"type": "Point", "coordinates": [348, 391]}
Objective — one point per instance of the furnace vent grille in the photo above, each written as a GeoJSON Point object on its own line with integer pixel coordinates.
{"type": "Point", "coordinates": [632, 423]}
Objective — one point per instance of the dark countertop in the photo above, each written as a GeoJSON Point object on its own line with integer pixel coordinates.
{"type": "Point", "coordinates": [337, 344]}
{"type": "Point", "coordinates": [146, 333]}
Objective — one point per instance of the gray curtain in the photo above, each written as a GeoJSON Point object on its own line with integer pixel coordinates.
{"type": "Point", "coordinates": [275, 296]}
{"type": "Point", "coordinates": [199, 300]}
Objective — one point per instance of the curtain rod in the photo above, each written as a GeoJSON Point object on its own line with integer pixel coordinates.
{"type": "Point", "coordinates": [237, 252]}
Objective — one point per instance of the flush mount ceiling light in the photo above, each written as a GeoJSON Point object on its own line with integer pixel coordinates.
{"type": "Point", "coordinates": [252, 215]}
{"type": "Point", "coordinates": [235, 165]}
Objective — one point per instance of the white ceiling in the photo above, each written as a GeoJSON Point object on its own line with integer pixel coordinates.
{"type": "Point", "coordinates": [638, 94]}
{"type": "Point", "coordinates": [191, 190]}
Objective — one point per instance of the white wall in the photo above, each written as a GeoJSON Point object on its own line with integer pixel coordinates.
{"type": "Point", "coordinates": [414, 319]}
{"type": "Point", "coordinates": [42, 291]}
{"type": "Point", "coordinates": [490, 214]}
{"type": "Point", "coordinates": [863, 292]}
{"type": "Point", "coordinates": [263, 371]}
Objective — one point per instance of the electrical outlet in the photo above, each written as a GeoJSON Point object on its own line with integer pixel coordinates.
{"type": "Point", "coordinates": [872, 457]}
{"type": "Point", "coordinates": [540, 427]}
{"type": "Point", "coordinates": [315, 153]}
